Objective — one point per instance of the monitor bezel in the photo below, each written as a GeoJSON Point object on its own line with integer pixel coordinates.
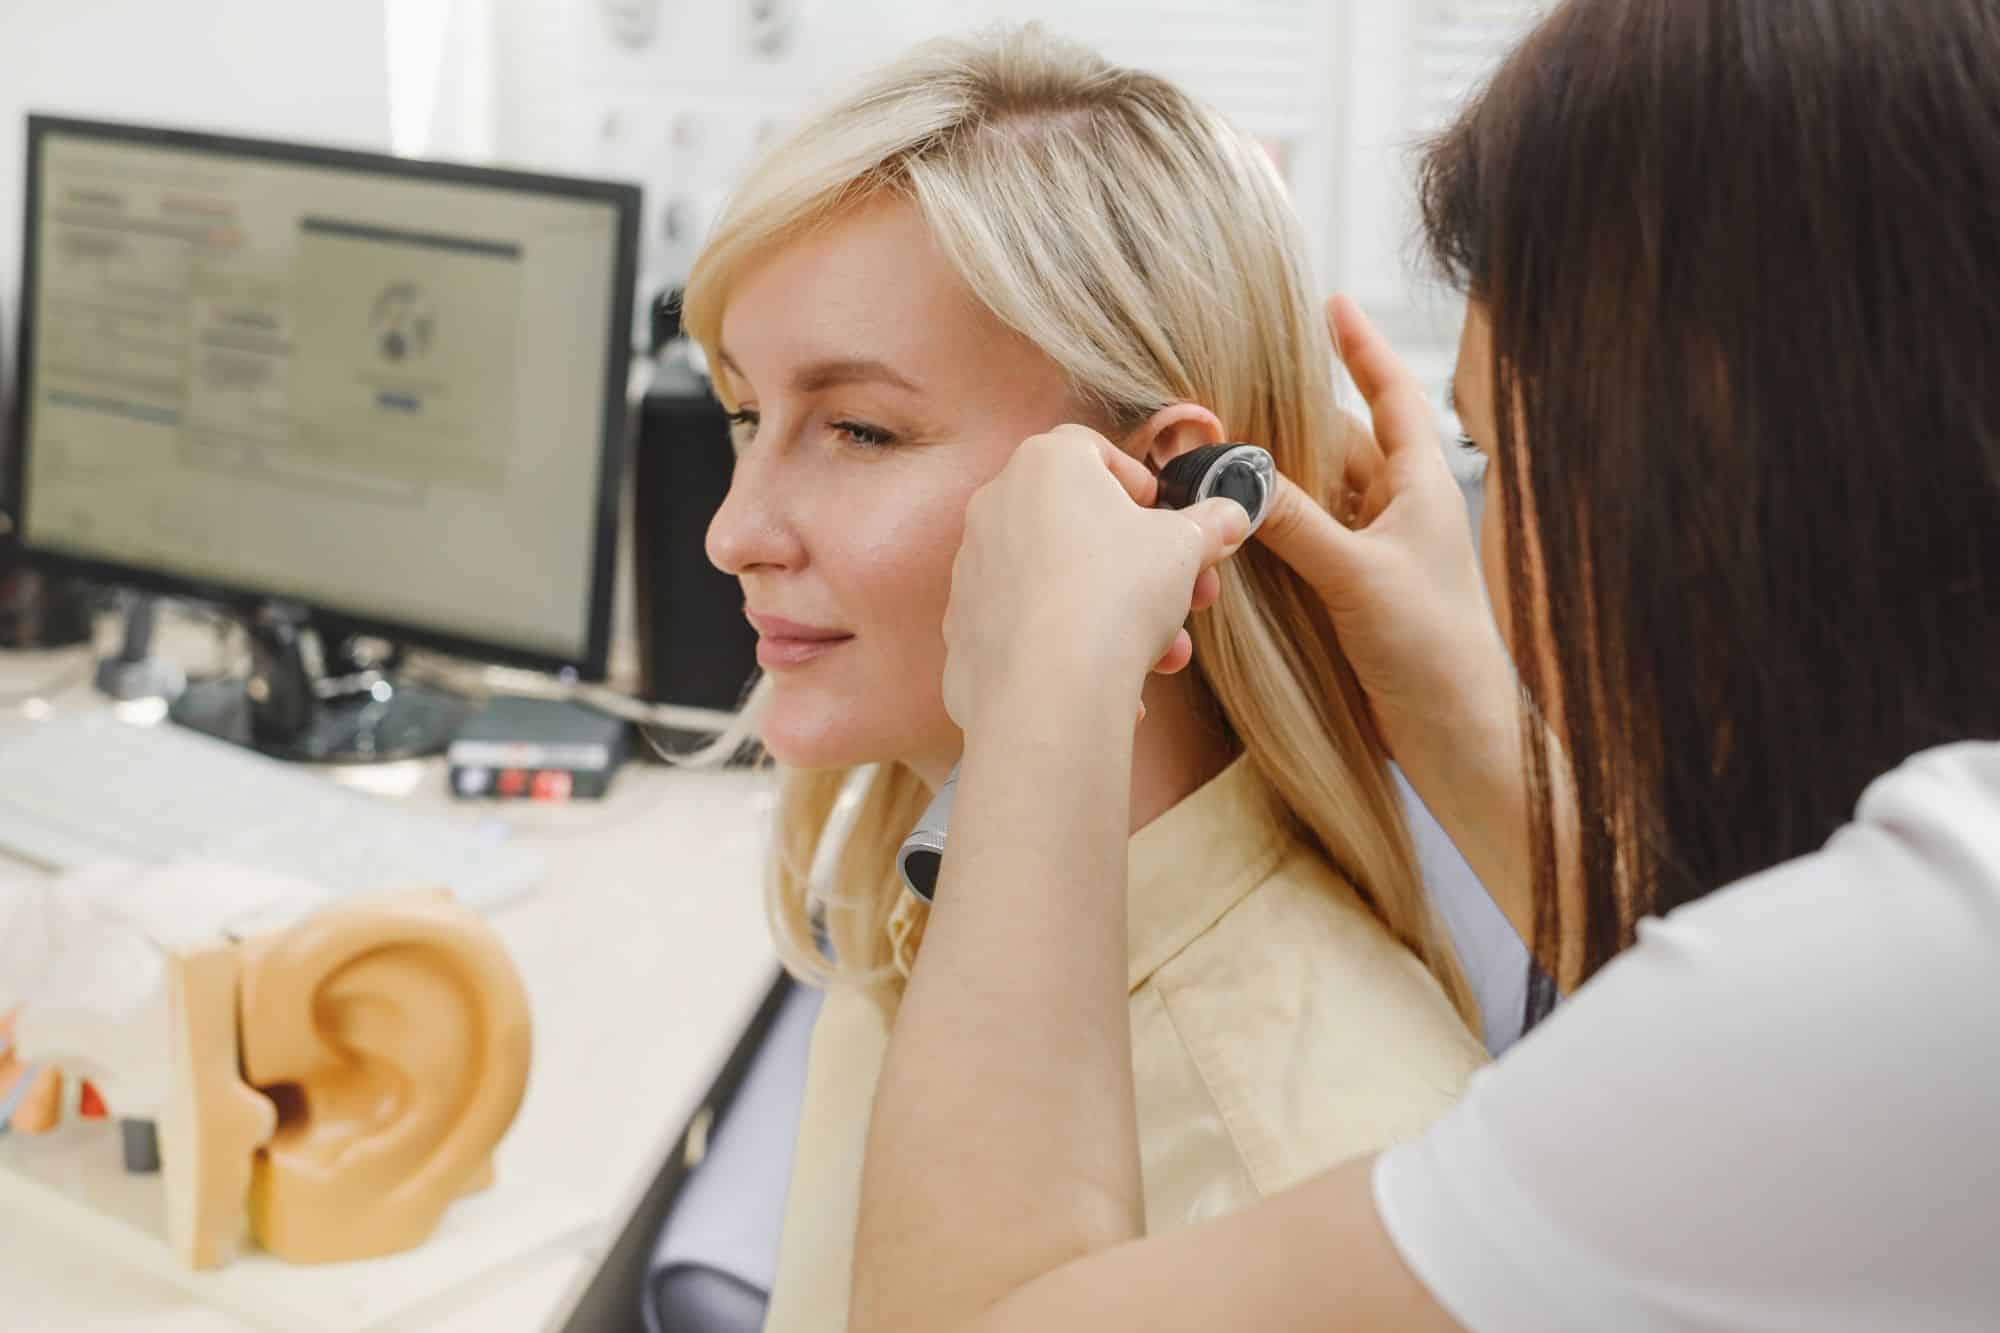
{"type": "Point", "coordinates": [594, 661]}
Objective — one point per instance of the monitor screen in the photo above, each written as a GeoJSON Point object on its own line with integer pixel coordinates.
{"type": "Point", "coordinates": [389, 391]}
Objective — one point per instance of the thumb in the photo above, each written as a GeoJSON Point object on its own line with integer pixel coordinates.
{"type": "Point", "coordinates": [1303, 535]}
{"type": "Point", "coordinates": [1224, 525]}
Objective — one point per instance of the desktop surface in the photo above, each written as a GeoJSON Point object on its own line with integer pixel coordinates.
{"type": "Point", "coordinates": [644, 952]}
{"type": "Point", "coordinates": [86, 788]}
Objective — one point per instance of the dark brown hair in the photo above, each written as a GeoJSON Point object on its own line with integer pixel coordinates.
{"type": "Point", "coordinates": [1741, 260]}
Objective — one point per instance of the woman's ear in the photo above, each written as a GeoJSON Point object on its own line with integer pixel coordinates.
{"type": "Point", "coordinates": [1171, 432]}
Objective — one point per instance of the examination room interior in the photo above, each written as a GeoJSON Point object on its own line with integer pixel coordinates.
{"type": "Point", "coordinates": [356, 479]}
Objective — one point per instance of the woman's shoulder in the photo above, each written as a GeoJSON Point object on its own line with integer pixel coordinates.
{"type": "Point", "coordinates": [1319, 1037]}
{"type": "Point", "coordinates": [1920, 861]}
{"type": "Point", "coordinates": [1812, 1045]}
{"type": "Point", "coordinates": [1306, 910]}
{"type": "Point", "coordinates": [1942, 803]}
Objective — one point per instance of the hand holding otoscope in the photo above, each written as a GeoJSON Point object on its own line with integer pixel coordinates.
{"type": "Point", "coordinates": [1240, 472]}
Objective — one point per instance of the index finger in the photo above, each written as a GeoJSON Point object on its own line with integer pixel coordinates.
{"type": "Point", "coordinates": [1395, 399]}
{"type": "Point", "coordinates": [1138, 480]}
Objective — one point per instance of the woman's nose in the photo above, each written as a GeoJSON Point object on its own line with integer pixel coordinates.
{"type": "Point", "coordinates": [750, 532]}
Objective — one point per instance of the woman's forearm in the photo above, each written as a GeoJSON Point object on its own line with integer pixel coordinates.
{"type": "Point", "coordinates": [1005, 1110]}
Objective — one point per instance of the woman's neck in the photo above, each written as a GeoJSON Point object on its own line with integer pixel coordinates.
{"type": "Point", "coordinates": [1179, 746]}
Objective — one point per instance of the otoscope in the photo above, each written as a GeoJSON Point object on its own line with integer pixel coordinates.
{"type": "Point", "coordinates": [1240, 472]}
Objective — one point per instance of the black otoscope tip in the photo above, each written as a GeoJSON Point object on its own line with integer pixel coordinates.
{"type": "Point", "coordinates": [1240, 472]}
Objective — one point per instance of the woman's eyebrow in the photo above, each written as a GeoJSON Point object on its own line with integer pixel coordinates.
{"type": "Point", "coordinates": [815, 376]}
{"type": "Point", "coordinates": [729, 364]}
{"type": "Point", "coordinates": [818, 375]}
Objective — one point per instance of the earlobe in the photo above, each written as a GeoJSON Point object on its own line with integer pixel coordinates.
{"type": "Point", "coordinates": [1172, 431]}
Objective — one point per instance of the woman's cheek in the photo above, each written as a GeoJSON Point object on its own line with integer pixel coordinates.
{"type": "Point", "coordinates": [911, 546]}
{"type": "Point", "coordinates": [1493, 554]}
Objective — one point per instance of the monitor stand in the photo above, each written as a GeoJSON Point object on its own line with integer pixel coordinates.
{"type": "Point", "coordinates": [302, 701]}
{"type": "Point", "coordinates": [135, 672]}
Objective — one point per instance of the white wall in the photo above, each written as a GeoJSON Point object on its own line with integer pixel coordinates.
{"type": "Point", "coordinates": [681, 111]}
{"type": "Point", "coordinates": [1404, 68]}
{"type": "Point", "coordinates": [1348, 87]}
{"type": "Point", "coordinates": [1371, 229]}
{"type": "Point", "coordinates": [551, 84]}
{"type": "Point", "coordinates": [304, 69]}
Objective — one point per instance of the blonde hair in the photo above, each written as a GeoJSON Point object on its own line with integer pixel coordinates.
{"type": "Point", "coordinates": [1149, 250]}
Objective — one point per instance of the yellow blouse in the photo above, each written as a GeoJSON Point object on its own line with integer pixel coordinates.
{"type": "Point", "coordinates": [1277, 1029]}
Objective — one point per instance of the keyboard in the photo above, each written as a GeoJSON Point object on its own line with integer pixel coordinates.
{"type": "Point", "coordinates": [78, 790]}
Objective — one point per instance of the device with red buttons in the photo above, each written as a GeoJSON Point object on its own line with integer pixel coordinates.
{"type": "Point", "coordinates": [518, 749]}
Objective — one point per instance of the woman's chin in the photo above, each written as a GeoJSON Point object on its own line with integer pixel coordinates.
{"type": "Point", "coordinates": [816, 739]}
{"type": "Point", "coordinates": [803, 727]}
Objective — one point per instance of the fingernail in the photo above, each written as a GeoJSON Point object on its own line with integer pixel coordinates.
{"type": "Point", "coordinates": [1235, 524]}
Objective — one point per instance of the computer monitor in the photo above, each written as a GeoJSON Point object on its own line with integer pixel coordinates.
{"type": "Point", "coordinates": [341, 393]}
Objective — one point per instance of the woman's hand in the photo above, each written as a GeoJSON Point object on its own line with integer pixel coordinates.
{"type": "Point", "coordinates": [1403, 587]}
{"type": "Point", "coordinates": [1064, 569]}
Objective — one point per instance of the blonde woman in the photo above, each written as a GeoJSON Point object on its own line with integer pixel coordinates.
{"type": "Point", "coordinates": [988, 240]}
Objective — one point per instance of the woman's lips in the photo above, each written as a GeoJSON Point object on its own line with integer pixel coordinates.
{"type": "Point", "coordinates": [790, 643]}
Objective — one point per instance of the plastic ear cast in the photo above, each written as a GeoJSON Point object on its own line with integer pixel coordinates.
{"type": "Point", "coordinates": [337, 1084]}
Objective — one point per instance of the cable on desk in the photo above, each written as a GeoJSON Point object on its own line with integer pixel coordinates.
{"type": "Point", "coordinates": [734, 734]}
{"type": "Point", "coordinates": [483, 682]}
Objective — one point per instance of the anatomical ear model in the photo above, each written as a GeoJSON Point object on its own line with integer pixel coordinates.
{"type": "Point", "coordinates": [84, 960]}
{"type": "Point", "coordinates": [325, 1081]}
{"type": "Point", "coordinates": [381, 1050]}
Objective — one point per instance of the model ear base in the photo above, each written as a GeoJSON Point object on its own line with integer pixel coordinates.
{"type": "Point", "coordinates": [212, 1124]}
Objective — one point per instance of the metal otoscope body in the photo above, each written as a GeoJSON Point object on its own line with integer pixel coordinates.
{"type": "Point", "coordinates": [1240, 472]}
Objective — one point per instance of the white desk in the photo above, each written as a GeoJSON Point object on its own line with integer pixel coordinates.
{"type": "Point", "coordinates": [644, 955]}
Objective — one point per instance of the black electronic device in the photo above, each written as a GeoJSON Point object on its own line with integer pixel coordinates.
{"type": "Point", "coordinates": [37, 610]}
{"type": "Point", "coordinates": [362, 401]}
{"type": "Point", "coordinates": [536, 749]}
{"type": "Point", "coordinates": [697, 652]}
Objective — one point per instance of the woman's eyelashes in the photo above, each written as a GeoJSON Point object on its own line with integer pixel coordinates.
{"type": "Point", "coordinates": [862, 434]}
{"type": "Point", "coordinates": [744, 421]}
{"type": "Point", "coordinates": [742, 426]}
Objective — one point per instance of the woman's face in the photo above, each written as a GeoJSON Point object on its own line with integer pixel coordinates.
{"type": "Point", "coordinates": [1472, 398]}
{"type": "Point", "coordinates": [875, 395]}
